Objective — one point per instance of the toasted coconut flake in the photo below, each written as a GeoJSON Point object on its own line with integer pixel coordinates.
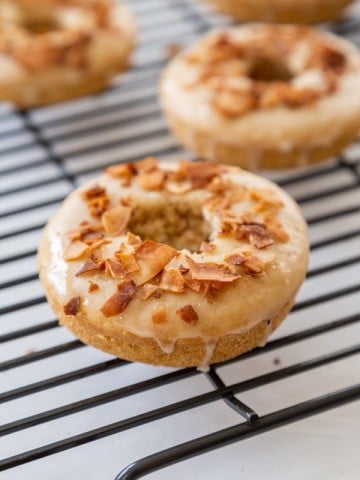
{"type": "Point", "coordinates": [159, 316]}
{"type": "Point", "coordinates": [228, 216]}
{"type": "Point", "coordinates": [152, 181]}
{"type": "Point", "coordinates": [97, 206]}
{"type": "Point", "coordinates": [201, 174]}
{"type": "Point", "coordinates": [216, 203]}
{"type": "Point", "coordinates": [245, 262]}
{"type": "Point", "coordinates": [123, 170]}
{"type": "Point", "coordinates": [149, 290]}
{"type": "Point", "coordinates": [94, 192]}
{"type": "Point", "coordinates": [266, 197]}
{"type": "Point", "coordinates": [96, 199]}
{"type": "Point", "coordinates": [183, 269]}
{"type": "Point", "coordinates": [212, 289]}
{"type": "Point", "coordinates": [125, 201]}
{"type": "Point", "coordinates": [210, 271]}
{"type": "Point", "coordinates": [195, 285]}
{"type": "Point", "coordinates": [181, 172]}
{"type": "Point", "coordinates": [96, 254]}
{"type": "Point", "coordinates": [98, 244]}
{"type": "Point", "coordinates": [233, 104]}
{"type": "Point", "coordinates": [118, 302]}
{"type": "Point", "coordinates": [257, 234]}
{"type": "Point", "coordinates": [132, 239]}
{"type": "Point", "coordinates": [75, 250]}
{"type": "Point", "coordinates": [236, 258]}
{"type": "Point", "coordinates": [72, 307]}
{"type": "Point", "coordinates": [207, 247]}
{"type": "Point", "coordinates": [188, 314]}
{"type": "Point", "coordinates": [172, 280]}
{"type": "Point", "coordinates": [148, 164]}
{"type": "Point", "coordinates": [231, 222]}
{"type": "Point", "coordinates": [114, 268]}
{"type": "Point", "coordinates": [275, 227]}
{"type": "Point", "coordinates": [116, 220]}
{"type": "Point", "coordinates": [217, 186]}
{"type": "Point", "coordinates": [333, 59]}
{"type": "Point", "coordinates": [88, 267]}
{"type": "Point", "coordinates": [127, 261]}
{"type": "Point", "coordinates": [86, 232]}
{"type": "Point", "coordinates": [237, 195]}
{"type": "Point", "coordinates": [92, 287]}
{"type": "Point", "coordinates": [92, 237]}
{"type": "Point", "coordinates": [151, 257]}
{"type": "Point", "coordinates": [253, 266]}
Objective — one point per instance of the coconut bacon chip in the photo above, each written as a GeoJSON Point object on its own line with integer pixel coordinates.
{"type": "Point", "coordinates": [201, 174]}
{"type": "Point", "coordinates": [72, 307]}
{"type": "Point", "coordinates": [253, 266]}
{"type": "Point", "coordinates": [87, 233]}
{"type": "Point", "coordinates": [94, 192]}
{"type": "Point", "coordinates": [75, 250]}
{"type": "Point", "coordinates": [127, 261]}
{"type": "Point", "coordinates": [210, 271]}
{"type": "Point", "coordinates": [114, 268]}
{"type": "Point", "coordinates": [148, 164]}
{"type": "Point", "coordinates": [275, 227]}
{"type": "Point", "coordinates": [96, 199]}
{"type": "Point", "coordinates": [89, 266]}
{"type": "Point", "coordinates": [266, 198]}
{"type": "Point", "coordinates": [116, 220]}
{"type": "Point", "coordinates": [149, 290]}
{"type": "Point", "coordinates": [151, 257]}
{"type": "Point", "coordinates": [159, 316]}
{"type": "Point", "coordinates": [132, 239]}
{"type": "Point", "coordinates": [123, 170]}
{"type": "Point", "coordinates": [188, 314]}
{"type": "Point", "coordinates": [92, 287]}
{"type": "Point", "coordinates": [151, 181]}
{"type": "Point", "coordinates": [207, 247]}
{"type": "Point", "coordinates": [117, 303]}
{"type": "Point", "coordinates": [236, 258]}
{"type": "Point", "coordinates": [172, 280]}
{"type": "Point", "coordinates": [258, 235]}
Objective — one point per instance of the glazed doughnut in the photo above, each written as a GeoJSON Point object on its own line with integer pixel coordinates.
{"type": "Point", "coordinates": [282, 11]}
{"type": "Point", "coordinates": [179, 264]}
{"type": "Point", "coordinates": [62, 50]}
{"type": "Point", "coordinates": [264, 96]}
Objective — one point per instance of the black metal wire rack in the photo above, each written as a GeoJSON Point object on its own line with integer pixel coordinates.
{"type": "Point", "coordinates": [60, 397]}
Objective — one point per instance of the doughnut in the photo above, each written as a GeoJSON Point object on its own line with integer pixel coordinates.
{"type": "Point", "coordinates": [178, 264]}
{"type": "Point", "coordinates": [282, 11]}
{"type": "Point", "coordinates": [65, 49]}
{"type": "Point", "coordinates": [264, 96]}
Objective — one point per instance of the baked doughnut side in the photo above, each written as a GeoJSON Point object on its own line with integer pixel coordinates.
{"type": "Point", "coordinates": [187, 352]}
{"type": "Point", "coordinates": [283, 11]}
{"type": "Point", "coordinates": [310, 151]}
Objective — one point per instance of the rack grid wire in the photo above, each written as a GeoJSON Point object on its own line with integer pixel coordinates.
{"type": "Point", "coordinates": [57, 394]}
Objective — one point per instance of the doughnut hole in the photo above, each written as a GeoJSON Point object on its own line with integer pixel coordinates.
{"type": "Point", "coordinates": [263, 69]}
{"type": "Point", "coordinates": [42, 26]}
{"type": "Point", "coordinates": [34, 20]}
{"type": "Point", "coordinates": [180, 225]}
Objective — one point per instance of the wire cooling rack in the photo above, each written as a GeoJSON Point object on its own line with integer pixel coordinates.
{"type": "Point", "coordinates": [70, 411]}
